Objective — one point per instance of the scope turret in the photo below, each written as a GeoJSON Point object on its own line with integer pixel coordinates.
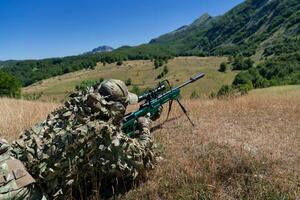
{"type": "Point", "coordinates": [152, 94]}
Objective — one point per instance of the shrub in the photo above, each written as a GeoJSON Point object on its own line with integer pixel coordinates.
{"type": "Point", "coordinates": [248, 63]}
{"type": "Point", "coordinates": [128, 82]}
{"type": "Point", "coordinates": [159, 62]}
{"type": "Point", "coordinates": [242, 78]}
{"type": "Point", "coordinates": [223, 67]}
{"type": "Point", "coordinates": [136, 90]}
{"type": "Point", "coordinates": [225, 91]}
{"type": "Point", "coordinates": [87, 83]}
{"type": "Point", "coordinates": [9, 85]}
{"type": "Point", "coordinates": [230, 59]}
{"type": "Point", "coordinates": [232, 90]}
{"type": "Point", "coordinates": [166, 70]}
{"type": "Point", "coordinates": [120, 62]}
{"type": "Point", "coordinates": [163, 73]}
{"type": "Point", "coordinates": [240, 63]}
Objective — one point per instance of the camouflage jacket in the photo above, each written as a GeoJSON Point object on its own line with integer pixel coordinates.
{"type": "Point", "coordinates": [15, 181]}
{"type": "Point", "coordinates": [81, 138]}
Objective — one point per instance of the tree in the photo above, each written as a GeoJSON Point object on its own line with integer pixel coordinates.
{"type": "Point", "coordinates": [9, 85]}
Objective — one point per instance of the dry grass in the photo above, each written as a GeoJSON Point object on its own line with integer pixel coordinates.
{"type": "Point", "coordinates": [243, 148]}
{"type": "Point", "coordinates": [17, 115]}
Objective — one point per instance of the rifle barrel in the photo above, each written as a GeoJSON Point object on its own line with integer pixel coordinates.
{"type": "Point", "coordinates": [192, 79]}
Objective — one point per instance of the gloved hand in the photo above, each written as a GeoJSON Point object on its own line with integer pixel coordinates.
{"type": "Point", "coordinates": [144, 122]}
{"type": "Point", "coordinates": [157, 115]}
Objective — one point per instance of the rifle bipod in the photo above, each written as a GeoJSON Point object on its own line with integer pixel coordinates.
{"type": "Point", "coordinates": [182, 108]}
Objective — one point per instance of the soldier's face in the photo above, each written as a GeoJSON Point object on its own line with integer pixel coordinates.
{"type": "Point", "coordinates": [118, 111]}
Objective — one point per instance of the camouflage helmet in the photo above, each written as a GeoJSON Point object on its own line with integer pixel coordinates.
{"type": "Point", "coordinates": [116, 90]}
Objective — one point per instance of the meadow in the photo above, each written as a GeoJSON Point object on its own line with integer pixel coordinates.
{"type": "Point", "coordinates": [143, 75]}
{"type": "Point", "coordinates": [241, 148]}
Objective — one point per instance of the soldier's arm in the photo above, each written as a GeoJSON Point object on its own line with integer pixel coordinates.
{"type": "Point", "coordinates": [144, 131]}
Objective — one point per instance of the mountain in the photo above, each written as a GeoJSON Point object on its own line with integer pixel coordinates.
{"type": "Point", "coordinates": [253, 25]}
{"type": "Point", "coordinates": [101, 49]}
{"type": "Point", "coordinates": [202, 23]}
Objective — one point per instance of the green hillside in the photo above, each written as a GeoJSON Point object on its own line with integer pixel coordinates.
{"type": "Point", "coordinates": [142, 75]}
{"type": "Point", "coordinates": [252, 25]}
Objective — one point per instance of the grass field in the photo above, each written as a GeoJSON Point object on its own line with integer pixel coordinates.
{"type": "Point", "coordinates": [17, 115]}
{"type": "Point", "coordinates": [242, 148]}
{"type": "Point", "coordinates": [142, 74]}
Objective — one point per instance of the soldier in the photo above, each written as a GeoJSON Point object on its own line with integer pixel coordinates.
{"type": "Point", "coordinates": [15, 182]}
{"type": "Point", "coordinates": [81, 143]}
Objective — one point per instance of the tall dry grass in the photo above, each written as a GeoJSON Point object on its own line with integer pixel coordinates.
{"type": "Point", "coordinates": [243, 148]}
{"type": "Point", "coordinates": [17, 115]}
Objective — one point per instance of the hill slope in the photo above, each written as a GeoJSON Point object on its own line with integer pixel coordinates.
{"type": "Point", "coordinates": [247, 148]}
{"type": "Point", "coordinates": [142, 74]}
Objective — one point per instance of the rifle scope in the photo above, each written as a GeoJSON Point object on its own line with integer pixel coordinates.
{"type": "Point", "coordinates": [152, 93]}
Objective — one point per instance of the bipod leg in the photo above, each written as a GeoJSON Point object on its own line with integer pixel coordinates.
{"type": "Point", "coordinates": [170, 107]}
{"type": "Point", "coordinates": [185, 111]}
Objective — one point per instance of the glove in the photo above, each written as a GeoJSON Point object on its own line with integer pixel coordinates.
{"type": "Point", "coordinates": [157, 114]}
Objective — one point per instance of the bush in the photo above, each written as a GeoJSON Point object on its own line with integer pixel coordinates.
{"type": "Point", "coordinates": [225, 91]}
{"type": "Point", "coordinates": [128, 82]}
{"type": "Point", "coordinates": [120, 62]}
{"type": "Point", "coordinates": [242, 78]}
{"type": "Point", "coordinates": [166, 70]}
{"type": "Point", "coordinates": [231, 90]}
{"type": "Point", "coordinates": [223, 67]}
{"type": "Point", "coordinates": [9, 85]}
{"type": "Point", "coordinates": [248, 63]}
{"type": "Point", "coordinates": [240, 63]}
{"type": "Point", "coordinates": [163, 73]}
{"type": "Point", "coordinates": [136, 90]}
{"type": "Point", "coordinates": [230, 59]}
{"type": "Point", "coordinates": [87, 83]}
{"type": "Point", "coordinates": [160, 62]}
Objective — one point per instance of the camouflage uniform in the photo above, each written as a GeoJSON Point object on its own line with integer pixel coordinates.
{"type": "Point", "coordinates": [15, 182]}
{"type": "Point", "coordinates": [83, 139]}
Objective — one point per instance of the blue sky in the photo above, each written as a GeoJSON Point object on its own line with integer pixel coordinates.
{"type": "Point", "coordinates": [52, 28]}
